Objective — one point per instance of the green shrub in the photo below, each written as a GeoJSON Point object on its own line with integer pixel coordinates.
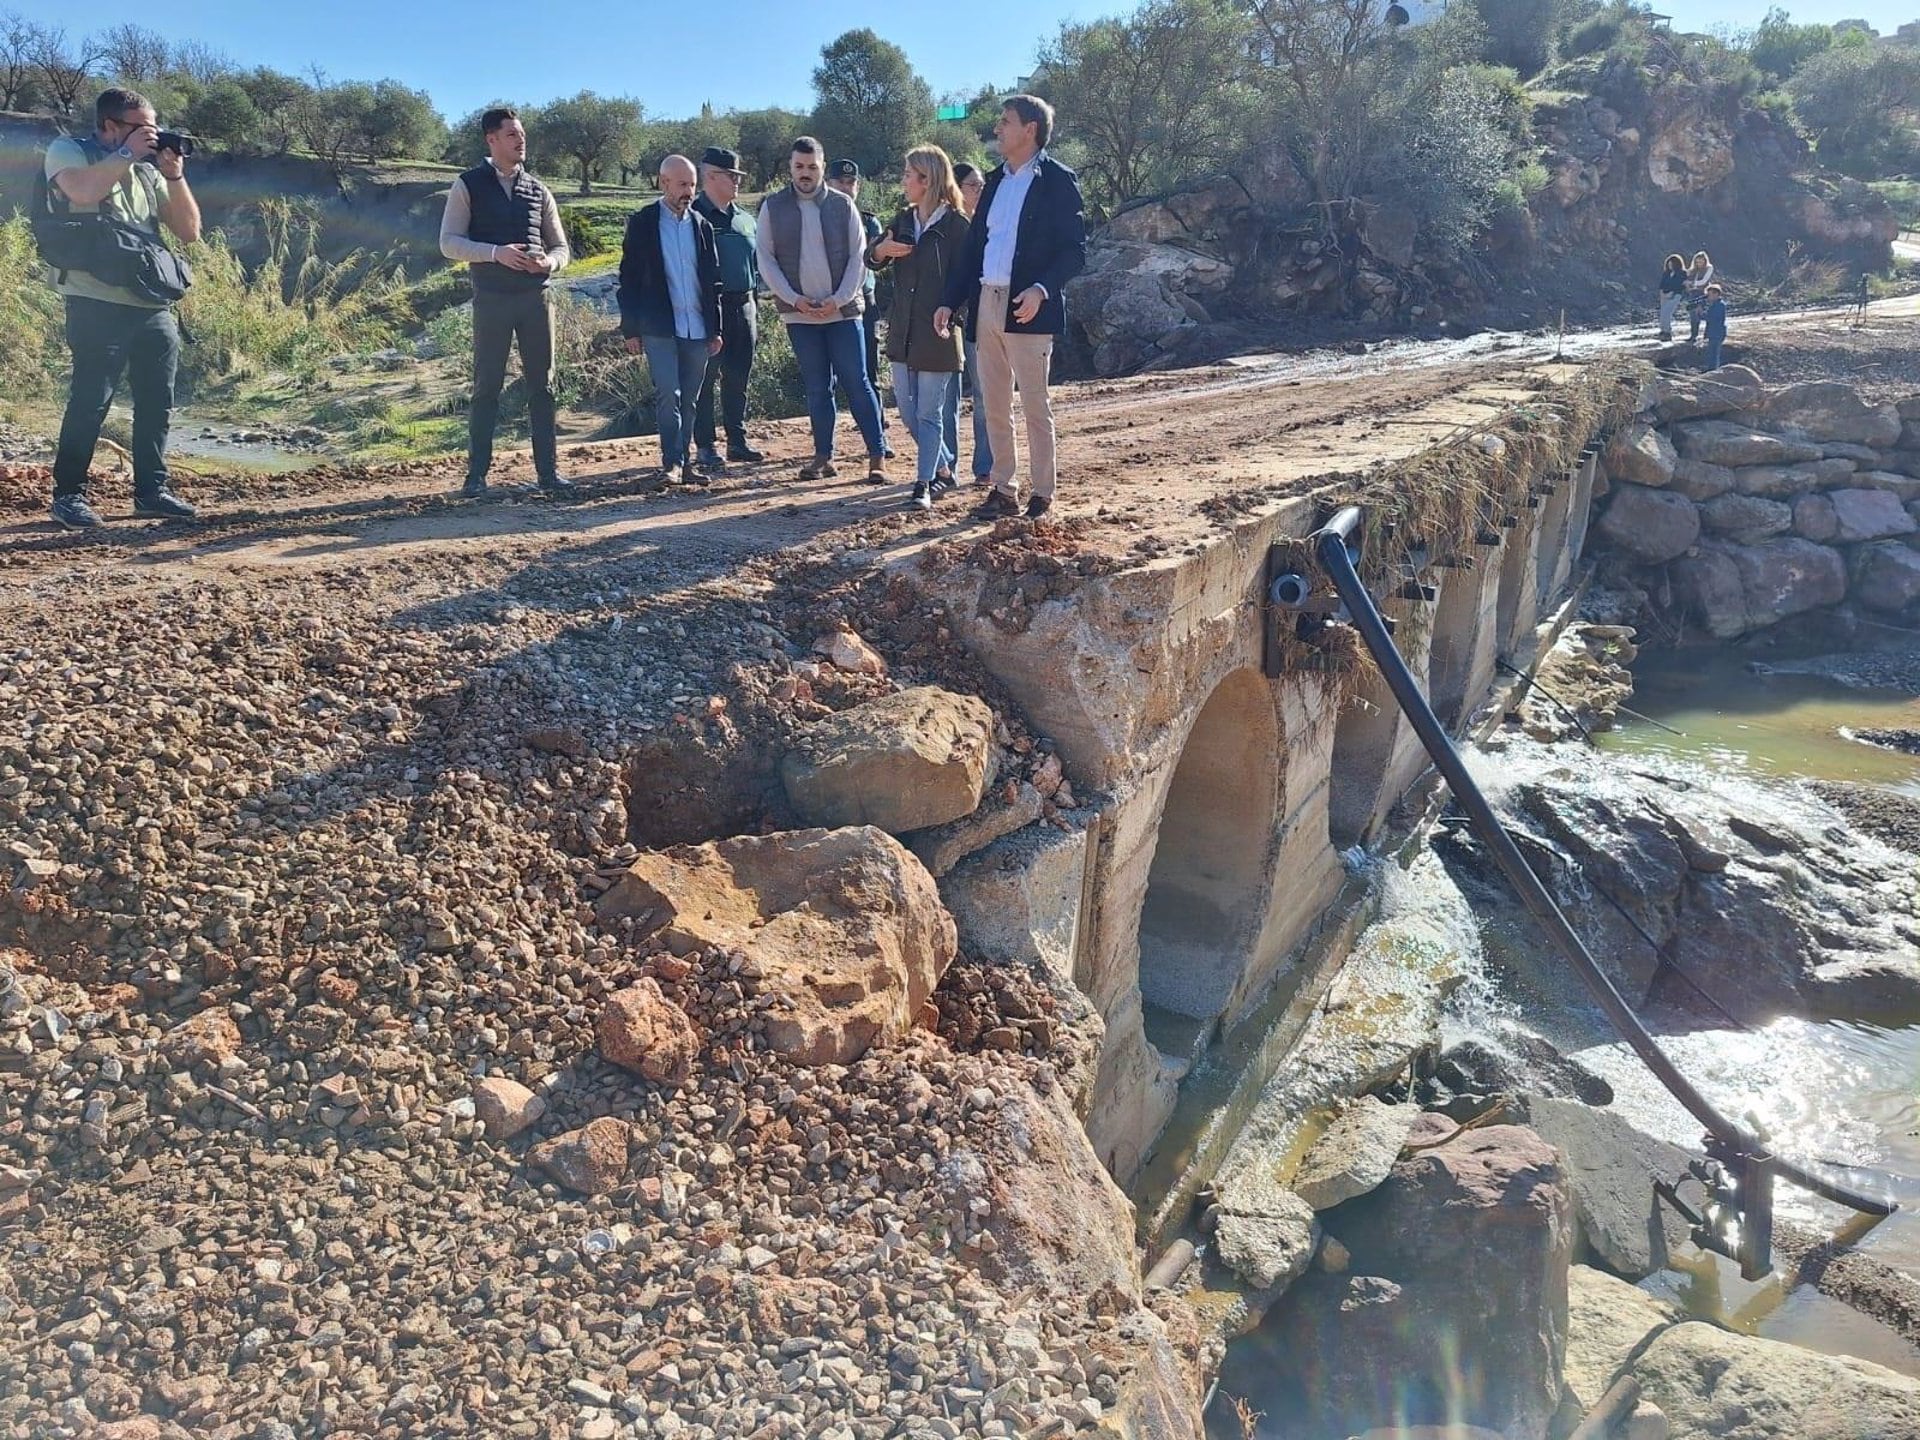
{"type": "Point", "coordinates": [31, 317]}
{"type": "Point", "coordinates": [1592, 35]}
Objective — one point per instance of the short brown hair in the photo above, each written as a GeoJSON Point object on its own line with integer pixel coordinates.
{"type": "Point", "coordinates": [492, 120]}
{"type": "Point", "coordinates": [115, 103]}
{"type": "Point", "coordinates": [1033, 111]}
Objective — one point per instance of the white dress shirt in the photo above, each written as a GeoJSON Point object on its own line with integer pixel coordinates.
{"type": "Point", "coordinates": [1003, 221]}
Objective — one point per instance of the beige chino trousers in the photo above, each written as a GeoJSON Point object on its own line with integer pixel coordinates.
{"type": "Point", "coordinates": [1009, 362]}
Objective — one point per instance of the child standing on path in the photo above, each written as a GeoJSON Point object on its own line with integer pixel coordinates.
{"type": "Point", "coordinates": [1716, 325]}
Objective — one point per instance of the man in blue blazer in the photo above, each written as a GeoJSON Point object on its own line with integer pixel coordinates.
{"type": "Point", "coordinates": [670, 306]}
{"type": "Point", "coordinates": [1029, 237]}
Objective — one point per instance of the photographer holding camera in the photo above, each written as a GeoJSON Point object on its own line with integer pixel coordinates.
{"type": "Point", "coordinates": [134, 173]}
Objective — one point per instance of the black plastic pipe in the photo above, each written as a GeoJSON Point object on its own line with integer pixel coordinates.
{"type": "Point", "coordinates": [1331, 548]}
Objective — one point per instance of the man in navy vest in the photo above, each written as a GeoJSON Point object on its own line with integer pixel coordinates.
{"type": "Point", "coordinates": [1029, 237]}
{"type": "Point", "coordinates": [506, 226]}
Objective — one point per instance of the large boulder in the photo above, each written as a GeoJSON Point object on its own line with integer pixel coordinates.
{"type": "Point", "coordinates": [1734, 589]}
{"type": "Point", "coordinates": [1886, 576]}
{"type": "Point", "coordinates": [1607, 1320]}
{"type": "Point", "coordinates": [1861, 515]}
{"type": "Point", "coordinates": [1830, 410]}
{"type": "Point", "coordinates": [843, 930]}
{"type": "Point", "coordinates": [1152, 272]}
{"type": "Point", "coordinates": [1640, 455]}
{"type": "Point", "coordinates": [1700, 480]}
{"type": "Point", "coordinates": [1746, 518]}
{"type": "Point", "coordinates": [1689, 151]}
{"type": "Point", "coordinates": [1723, 442]}
{"type": "Point", "coordinates": [1267, 1233]}
{"type": "Point", "coordinates": [1777, 482]}
{"type": "Point", "coordinates": [1454, 1307]}
{"type": "Point", "coordinates": [1653, 526]}
{"type": "Point", "coordinates": [902, 762]}
{"type": "Point", "coordinates": [1611, 1167]}
{"type": "Point", "coordinates": [1698, 397]}
{"type": "Point", "coordinates": [1714, 1383]}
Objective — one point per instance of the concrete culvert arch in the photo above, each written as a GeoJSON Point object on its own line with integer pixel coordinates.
{"type": "Point", "coordinates": [1212, 857]}
{"type": "Point", "coordinates": [1364, 740]}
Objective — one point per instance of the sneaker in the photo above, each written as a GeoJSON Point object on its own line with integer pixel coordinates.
{"type": "Point", "coordinates": [821, 467]}
{"type": "Point", "coordinates": [941, 487]}
{"type": "Point", "coordinates": [162, 505]}
{"type": "Point", "coordinates": [997, 506]}
{"type": "Point", "coordinates": [886, 449]}
{"type": "Point", "coordinates": [876, 470]}
{"type": "Point", "coordinates": [1038, 506]}
{"type": "Point", "coordinates": [475, 487]}
{"type": "Point", "coordinates": [745, 454]}
{"type": "Point", "coordinates": [72, 512]}
{"type": "Point", "coordinates": [944, 474]}
{"type": "Point", "coordinates": [709, 459]}
{"type": "Point", "coordinates": [691, 476]}
{"type": "Point", "coordinates": [558, 486]}
{"type": "Point", "coordinates": [922, 496]}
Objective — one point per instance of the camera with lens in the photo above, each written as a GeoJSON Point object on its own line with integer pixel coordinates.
{"type": "Point", "coordinates": [181, 145]}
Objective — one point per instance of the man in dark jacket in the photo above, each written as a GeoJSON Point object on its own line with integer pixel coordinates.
{"type": "Point", "coordinates": [1029, 237]}
{"type": "Point", "coordinates": [670, 306]}
{"type": "Point", "coordinates": [734, 233]}
{"type": "Point", "coordinates": [506, 226]}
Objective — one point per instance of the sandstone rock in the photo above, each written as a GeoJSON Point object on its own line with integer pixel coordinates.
{"type": "Point", "coordinates": [942, 847]}
{"type": "Point", "coordinates": [1699, 480]}
{"type": "Point", "coordinates": [591, 1160]}
{"type": "Point", "coordinates": [1611, 1167]}
{"type": "Point", "coordinates": [845, 650]}
{"type": "Point", "coordinates": [1267, 1233]}
{"type": "Point", "coordinates": [640, 1029]}
{"type": "Point", "coordinates": [1654, 526]}
{"type": "Point", "coordinates": [902, 762]}
{"type": "Point", "coordinates": [843, 928]}
{"type": "Point", "coordinates": [1733, 589]}
{"type": "Point", "coordinates": [1136, 302]}
{"type": "Point", "coordinates": [203, 1041]}
{"type": "Point", "coordinates": [1712, 1382]}
{"type": "Point", "coordinates": [506, 1107]}
{"type": "Point", "coordinates": [1886, 576]}
{"type": "Point", "coordinates": [1830, 410]}
{"type": "Point", "coordinates": [1695, 397]}
{"type": "Point", "coordinates": [1640, 455]}
{"type": "Point", "coordinates": [1868, 515]}
{"type": "Point", "coordinates": [1724, 442]}
{"type": "Point", "coordinates": [1689, 152]}
{"type": "Point", "coordinates": [1780, 481]}
{"type": "Point", "coordinates": [1606, 1319]}
{"type": "Point", "coordinates": [1813, 519]}
{"type": "Point", "coordinates": [1355, 1154]}
{"type": "Point", "coordinates": [1469, 1240]}
{"type": "Point", "coordinates": [1745, 518]}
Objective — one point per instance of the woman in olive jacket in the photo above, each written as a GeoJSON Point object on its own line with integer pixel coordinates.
{"type": "Point", "coordinates": [921, 245]}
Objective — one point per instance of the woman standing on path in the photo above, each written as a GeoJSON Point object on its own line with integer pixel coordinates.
{"type": "Point", "coordinates": [922, 244]}
{"type": "Point", "coordinates": [1699, 277]}
{"type": "Point", "coordinates": [1673, 289]}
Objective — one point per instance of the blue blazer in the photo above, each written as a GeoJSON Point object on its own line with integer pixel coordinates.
{"type": "Point", "coordinates": [1050, 249]}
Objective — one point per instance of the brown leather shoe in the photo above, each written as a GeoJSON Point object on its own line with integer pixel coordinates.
{"type": "Point", "coordinates": [876, 470]}
{"type": "Point", "coordinates": [821, 467]}
{"type": "Point", "coordinates": [997, 506]}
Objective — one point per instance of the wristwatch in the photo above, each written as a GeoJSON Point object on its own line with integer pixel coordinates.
{"type": "Point", "coordinates": [123, 153]}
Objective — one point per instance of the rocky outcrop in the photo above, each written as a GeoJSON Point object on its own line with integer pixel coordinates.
{"type": "Point", "coordinates": [843, 931]}
{"type": "Point", "coordinates": [1611, 1168]}
{"type": "Point", "coordinates": [1469, 1239]}
{"type": "Point", "coordinates": [1152, 272]}
{"type": "Point", "coordinates": [1778, 502]}
{"type": "Point", "coordinates": [906, 761]}
{"type": "Point", "coordinates": [1714, 1383]}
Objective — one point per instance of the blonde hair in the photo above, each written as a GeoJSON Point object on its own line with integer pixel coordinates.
{"type": "Point", "coordinates": [937, 166]}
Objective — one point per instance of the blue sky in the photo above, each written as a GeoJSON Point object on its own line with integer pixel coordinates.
{"type": "Point", "coordinates": [674, 56]}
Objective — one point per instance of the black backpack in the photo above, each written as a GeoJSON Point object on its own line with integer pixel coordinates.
{"type": "Point", "coordinates": [110, 250]}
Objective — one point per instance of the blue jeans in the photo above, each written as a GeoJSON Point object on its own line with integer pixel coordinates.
{"type": "Point", "coordinates": [922, 396]}
{"type": "Point", "coordinates": [826, 353]}
{"type": "Point", "coordinates": [982, 449]}
{"type": "Point", "coordinates": [1714, 342]}
{"type": "Point", "coordinates": [679, 370]}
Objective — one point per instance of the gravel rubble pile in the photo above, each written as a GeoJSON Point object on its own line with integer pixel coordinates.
{"type": "Point", "coordinates": [300, 966]}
